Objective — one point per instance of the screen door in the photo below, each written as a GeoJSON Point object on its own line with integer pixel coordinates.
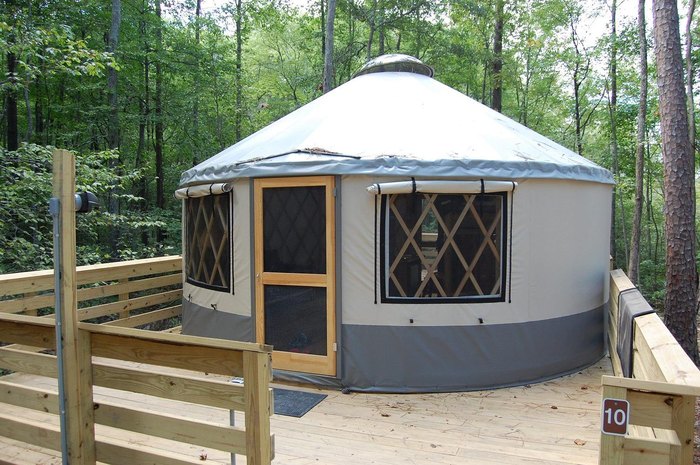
{"type": "Point", "coordinates": [295, 271]}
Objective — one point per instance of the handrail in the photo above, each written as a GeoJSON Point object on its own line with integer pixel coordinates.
{"type": "Point", "coordinates": [114, 346]}
{"type": "Point", "coordinates": [42, 280]}
{"type": "Point", "coordinates": [120, 291]}
{"type": "Point", "coordinates": [661, 392]}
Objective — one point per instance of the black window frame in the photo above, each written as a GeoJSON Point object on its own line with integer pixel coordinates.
{"type": "Point", "coordinates": [383, 277]}
{"type": "Point", "coordinates": [229, 288]}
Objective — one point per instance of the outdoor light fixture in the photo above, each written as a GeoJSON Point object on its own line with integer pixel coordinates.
{"type": "Point", "coordinates": [85, 202]}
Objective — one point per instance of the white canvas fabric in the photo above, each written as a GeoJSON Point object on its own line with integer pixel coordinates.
{"type": "Point", "coordinates": [441, 187]}
{"type": "Point", "coordinates": [557, 245]}
{"type": "Point", "coordinates": [396, 124]}
{"type": "Point", "coordinates": [239, 300]}
{"type": "Point", "coordinates": [203, 189]}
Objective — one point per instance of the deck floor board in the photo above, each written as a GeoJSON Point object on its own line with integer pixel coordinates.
{"type": "Point", "coordinates": [555, 422]}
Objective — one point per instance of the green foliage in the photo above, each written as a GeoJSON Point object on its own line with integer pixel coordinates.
{"type": "Point", "coordinates": [25, 223]}
{"type": "Point", "coordinates": [61, 86]}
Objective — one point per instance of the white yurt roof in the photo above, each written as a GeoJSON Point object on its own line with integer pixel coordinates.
{"type": "Point", "coordinates": [386, 122]}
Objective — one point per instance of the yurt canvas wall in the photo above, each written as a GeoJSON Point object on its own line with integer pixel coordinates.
{"type": "Point", "coordinates": [550, 319]}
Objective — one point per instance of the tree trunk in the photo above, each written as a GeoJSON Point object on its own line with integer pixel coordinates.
{"type": "Point", "coordinates": [144, 114]}
{"type": "Point", "coordinates": [497, 64]}
{"type": "Point", "coordinates": [238, 77]}
{"type": "Point", "coordinates": [633, 265]}
{"type": "Point", "coordinates": [613, 125]}
{"type": "Point", "coordinates": [112, 42]}
{"type": "Point", "coordinates": [381, 38]}
{"type": "Point", "coordinates": [577, 111]}
{"type": "Point", "coordinates": [28, 112]}
{"type": "Point", "coordinates": [324, 22]}
{"type": "Point", "coordinates": [328, 68]}
{"type": "Point", "coordinates": [160, 195]}
{"type": "Point", "coordinates": [12, 132]}
{"type": "Point", "coordinates": [580, 74]}
{"type": "Point", "coordinates": [195, 109]}
{"type": "Point", "coordinates": [689, 73]}
{"type": "Point", "coordinates": [372, 26]}
{"type": "Point", "coordinates": [679, 177]}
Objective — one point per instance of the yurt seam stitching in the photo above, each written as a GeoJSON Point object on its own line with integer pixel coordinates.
{"type": "Point", "coordinates": [376, 199]}
{"type": "Point", "coordinates": [510, 239]}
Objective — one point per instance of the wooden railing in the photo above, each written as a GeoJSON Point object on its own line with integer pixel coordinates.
{"type": "Point", "coordinates": [661, 392]}
{"type": "Point", "coordinates": [131, 293]}
{"type": "Point", "coordinates": [111, 357]}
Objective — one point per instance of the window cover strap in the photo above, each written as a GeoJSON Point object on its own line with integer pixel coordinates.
{"type": "Point", "coordinates": [203, 189]}
{"type": "Point", "coordinates": [441, 187]}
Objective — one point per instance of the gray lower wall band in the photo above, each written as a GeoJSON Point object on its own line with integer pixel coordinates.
{"type": "Point", "coordinates": [438, 358]}
{"type": "Point", "coordinates": [444, 358]}
{"type": "Point", "coordinates": [202, 321]}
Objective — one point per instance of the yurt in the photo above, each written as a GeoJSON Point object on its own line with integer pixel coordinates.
{"type": "Point", "coordinates": [395, 235]}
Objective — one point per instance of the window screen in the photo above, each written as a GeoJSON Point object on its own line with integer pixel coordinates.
{"type": "Point", "coordinates": [443, 247]}
{"type": "Point", "coordinates": [208, 242]}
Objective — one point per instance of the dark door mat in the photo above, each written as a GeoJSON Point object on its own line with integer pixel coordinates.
{"type": "Point", "coordinates": [295, 403]}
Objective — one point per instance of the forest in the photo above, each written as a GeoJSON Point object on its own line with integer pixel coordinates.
{"type": "Point", "coordinates": [142, 90]}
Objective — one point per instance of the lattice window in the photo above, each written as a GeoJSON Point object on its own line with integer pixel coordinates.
{"type": "Point", "coordinates": [443, 247]}
{"type": "Point", "coordinates": [208, 243]}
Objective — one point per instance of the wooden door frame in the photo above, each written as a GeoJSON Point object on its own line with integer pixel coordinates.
{"type": "Point", "coordinates": [307, 363]}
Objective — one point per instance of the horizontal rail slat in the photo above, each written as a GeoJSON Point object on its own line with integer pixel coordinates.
{"type": "Point", "coordinates": [173, 427]}
{"type": "Point", "coordinates": [108, 450]}
{"type": "Point", "coordinates": [668, 356]}
{"type": "Point", "coordinates": [108, 290]}
{"type": "Point", "coordinates": [646, 451]}
{"type": "Point", "coordinates": [128, 305]}
{"type": "Point", "coordinates": [145, 318]}
{"type": "Point", "coordinates": [30, 431]}
{"type": "Point", "coordinates": [43, 400]}
{"type": "Point", "coordinates": [28, 362]}
{"type": "Point", "coordinates": [27, 330]}
{"type": "Point", "coordinates": [168, 353]}
{"type": "Point", "coordinates": [173, 330]}
{"type": "Point", "coordinates": [29, 303]}
{"type": "Point", "coordinates": [149, 380]}
{"type": "Point", "coordinates": [213, 393]}
{"type": "Point", "coordinates": [119, 452]}
{"type": "Point", "coordinates": [35, 281]}
{"type": "Point", "coordinates": [651, 409]}
{"type": "Point", "coordinates": [651, 386]}
{"type": "Point", "coordinates": [175, 339]}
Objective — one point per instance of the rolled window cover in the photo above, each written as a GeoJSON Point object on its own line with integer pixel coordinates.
{"type": "Point", "coordinates": [442, 187]}
{"type": "Point", "coordinates": [203, 189]}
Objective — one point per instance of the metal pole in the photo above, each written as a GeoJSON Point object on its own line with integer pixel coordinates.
{"type": "Point", "coordinates": [55, 210]}
{"type": "Point", "coordinates": [232, 417]}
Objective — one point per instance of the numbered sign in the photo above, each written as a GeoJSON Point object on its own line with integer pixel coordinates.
{"type": "Point", "coordinates": [616, 413]}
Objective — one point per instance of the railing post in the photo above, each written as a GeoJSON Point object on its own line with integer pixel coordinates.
{"type": "Point", "coordinates": [683, 419]}
{"type": "Point", "coordinates": [256, 381]}
{"type": "Point", "coordinates": [123, 297]}
{"type": "Point", "coordinates": [611, 447]}
{"type": "Point", "coordinates": [75, 350]}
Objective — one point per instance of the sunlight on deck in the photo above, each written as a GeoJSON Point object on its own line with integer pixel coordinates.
{"type": "Point", "coordinates": [554, 422]}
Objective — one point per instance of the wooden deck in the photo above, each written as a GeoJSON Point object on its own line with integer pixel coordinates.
{"type": "Point", "coordinates": [555, 422]}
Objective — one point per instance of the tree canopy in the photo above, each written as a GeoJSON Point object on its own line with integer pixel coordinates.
{"type": "Point", "coordinates": [143, 89]}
